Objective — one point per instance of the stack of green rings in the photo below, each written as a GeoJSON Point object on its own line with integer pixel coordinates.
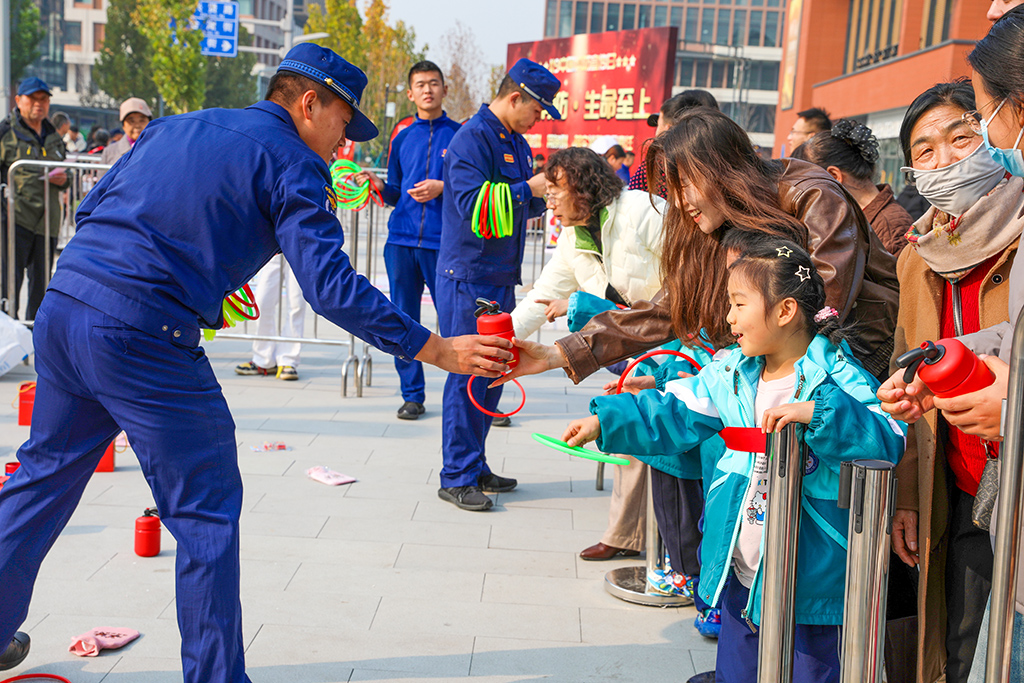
{"type": "Point", "coordinates": [492, 212]}
{"type": "Point", "coordinates": [351, 196]}
{"type": "Point", "coordinates": [238, 307]}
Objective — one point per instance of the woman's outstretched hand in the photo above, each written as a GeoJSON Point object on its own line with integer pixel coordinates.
{"type": "Point", "coordinates": [583, 431]}
{"type": "Point", "coordinates": [534, 359]}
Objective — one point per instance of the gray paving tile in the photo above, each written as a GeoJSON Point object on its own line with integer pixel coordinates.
{"type": "Point", "coordinates": [436, 510]}
{"type": "Point", "coordinates": [426, 653]}
{"type": "Point", "coordinates": [354, 580]}
{"type": "Point", "coordinates": [408, 531]}
{"type": "Point", "coordinates": [546, 590]}
{"type": "Point", "coordinates": [628, 623]}
{"type": "Point", "coordinates": [486, 560]}
{"type": "Point", "coordinates": [580, 661]}
{"type": "Point", "coordinates": [543, 622]}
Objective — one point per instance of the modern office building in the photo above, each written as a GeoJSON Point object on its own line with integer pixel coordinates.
{"type": "Point", "coordinates": [869, 59]}
{"type": "Point", "coordinates": [732, 48]}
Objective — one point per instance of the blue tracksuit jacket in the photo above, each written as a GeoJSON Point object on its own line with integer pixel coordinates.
{"type": "Point", "coordinates": [417, 153]}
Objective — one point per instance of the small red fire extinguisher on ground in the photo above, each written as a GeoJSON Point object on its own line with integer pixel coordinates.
{"type": "Point", "coordinates": [147, 534]}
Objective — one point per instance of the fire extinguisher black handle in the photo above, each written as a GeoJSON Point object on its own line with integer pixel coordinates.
{"type": "Point", "coordinates": [486, 307]}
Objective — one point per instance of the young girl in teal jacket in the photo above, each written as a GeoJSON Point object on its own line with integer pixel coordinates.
{"type": "Point", "coordinates": [791, 366]}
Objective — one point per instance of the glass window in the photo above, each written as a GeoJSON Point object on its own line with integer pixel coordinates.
{"type": "Point", "coordinates": [72, 33]}
{"type": "Point", "coordinates": [581, 18]}
{"type": "Point", "coordinates": [771, 29]}
{"type": "Point", "coordinates": [774, 3]}
{"type": "Point", "coordinates": [692, 16]}
{"type": "Point", "coordinates": [754, 33]}
{"type": "Point", "coordinates": [643, 16]}
{"type": "Point", "coordinates": [551, 18]}
{"type": "Point", "coordinates": [565, 19]}
{"type": "Point", "coordinates": [739, 26]}
{"type": "Point", "coordinates": [723, 26]}
{"type": "Point", "coordinates": [707, 25]}
{"type": "Point", "coordinates": [685, 78]}
{"type": "Point", "coordinates": [703, 67]}
{"type": "Point", "coordinates": [677, 17]}
{"type": "Point", "coordinates": [757, 3]}
{"type": "Point", "coordinates": [612, 21]}
{"type": "Point", "coordinates": [596, 17]}
{"type": "Point", "coordinates": [718, 74]}
{"type": "Point", "coordinates": [661, 15]}
{"type": "Point", "coordinates": [628, 16]}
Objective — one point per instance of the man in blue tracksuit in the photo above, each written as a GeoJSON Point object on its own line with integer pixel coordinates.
{"type": "Point", "coordinates": [161, 240]}
{"type": "Point", "coordinates": [414, 230]}
{"type": "Point", "coordinates": [489, 147]}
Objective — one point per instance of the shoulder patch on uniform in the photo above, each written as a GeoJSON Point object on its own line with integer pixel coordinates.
{"type": "Point", "coordinates": [331, 199]}
{"type": "Point", "coordinates": [811, 464]}
{"type": "Point", "coordinates": [501, 135]}
{"type": "Point", "coordinates": [443, 152]}
{"type": "Point", "coordinates": [509, 158]}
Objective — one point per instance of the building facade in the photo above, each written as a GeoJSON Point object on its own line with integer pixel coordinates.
{"type": "Point", "coordinates": [869, 59]}
{"type": "Point", "coordinates": [731, 48]}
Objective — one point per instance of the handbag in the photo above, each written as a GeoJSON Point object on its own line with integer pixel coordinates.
{"type": "Point", "coordinates": [988, 490]}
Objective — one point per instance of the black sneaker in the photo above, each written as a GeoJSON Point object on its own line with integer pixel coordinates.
{"type": "Point", "coordinates": [466, 497]}
{"type": "Point", "coordinates": [411, 410]}
{"type": "Point", "coordinates": [501, 422]}
{"type": "Point", "coordinates": [492, 483]}
{"type": "Point", "coordinates": [16, 652]}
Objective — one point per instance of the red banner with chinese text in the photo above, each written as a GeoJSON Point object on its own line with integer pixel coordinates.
{"type": "Point", "coordinates": [611, 83]}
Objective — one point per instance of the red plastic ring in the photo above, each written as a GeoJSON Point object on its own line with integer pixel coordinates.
{"type": "Point", "coordinates": [472, 399]}
{"type": "Point", "coordinates": [655, 352]}
{"type": "Point", "coordinates": [30, 677]}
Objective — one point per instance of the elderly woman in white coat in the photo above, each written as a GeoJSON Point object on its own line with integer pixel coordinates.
{"type": "Point", "coordinates": [609, 248]}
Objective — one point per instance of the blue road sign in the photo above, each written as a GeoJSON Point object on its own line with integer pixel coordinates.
{"type": "Point", "coordinates": [219, 23]}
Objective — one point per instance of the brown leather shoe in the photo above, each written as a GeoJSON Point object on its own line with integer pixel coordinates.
{"type": "Point", "coordinates": [601, 551]}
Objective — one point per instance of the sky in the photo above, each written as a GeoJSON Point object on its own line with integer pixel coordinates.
{"type": "Point", "coordinates": [495, 24]}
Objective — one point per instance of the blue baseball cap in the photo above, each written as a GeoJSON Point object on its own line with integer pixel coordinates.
{"type": "Point", "coordinates": [345, 80]}
{"type": "Point", "coordinates": [32, 85]}
{"type": "Point", "coordinates": [538, 82]}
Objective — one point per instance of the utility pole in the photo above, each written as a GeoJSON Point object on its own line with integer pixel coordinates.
{"type": "Point", "coordinates": [5, 57]}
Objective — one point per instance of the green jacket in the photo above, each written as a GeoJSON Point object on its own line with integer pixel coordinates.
{"type": "Point", "coordinates": [18, 141]}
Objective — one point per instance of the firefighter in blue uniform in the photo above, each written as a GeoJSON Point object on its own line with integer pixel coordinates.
{"type": "Point", "coordinates": [191, 213]}
{"type": "Point", "coordinates": [489, 147]}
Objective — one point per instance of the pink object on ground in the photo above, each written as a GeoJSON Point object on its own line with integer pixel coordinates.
{"type": "Point", "coordinates": [91, 642]}
{"type": "Point", "coordinates": [326, 475]}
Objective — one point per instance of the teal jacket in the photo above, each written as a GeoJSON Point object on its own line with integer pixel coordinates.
{"type": "Point", "coordinates": [662, 430]}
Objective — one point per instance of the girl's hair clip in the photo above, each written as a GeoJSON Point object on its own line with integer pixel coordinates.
{"type": "Point", "coordinates": [804, 273]}
{"type": "Point", "coordinates": [824, 314]}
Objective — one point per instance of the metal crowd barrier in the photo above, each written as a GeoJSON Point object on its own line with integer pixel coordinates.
{"type": "Point", "coordinates": [1008, 518]}
{"type": "Point", "coordinates": [79, 168]}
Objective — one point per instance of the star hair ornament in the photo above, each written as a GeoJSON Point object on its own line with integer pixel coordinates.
{"type": "Point", "coordinates": [784, 252]}
{"type": "Point", "coordinates": [804, 273]}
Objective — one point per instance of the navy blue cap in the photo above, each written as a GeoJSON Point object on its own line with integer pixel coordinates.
{"type": "Point", "coordinates": [33, 85]}
{"type": "Point", "coordinates": [345, 80]}
{"type": "Point", "coordinates": [538, 82]}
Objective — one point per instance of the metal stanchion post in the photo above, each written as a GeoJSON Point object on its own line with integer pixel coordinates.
{"type": "Point", "coordinates": [868, 489]}
{"type": "Point", "coordinates": [786, 457]}
{"type": "Point", "coordinates": [365, 374]}
{"type": "Point", "coordinates": [1008, 518]}
{"type": "Point", "coordinates": [352, 359]}
{"type": "Point", "coordinates": [630, 583]}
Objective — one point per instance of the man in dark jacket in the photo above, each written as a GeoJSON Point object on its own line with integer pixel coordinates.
{"type": "Point", "coordinates": [26, 133]}
{"type": "Point", "coordinates": [414, 188]}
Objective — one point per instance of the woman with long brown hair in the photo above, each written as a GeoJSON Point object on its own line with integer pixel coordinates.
{"type": "Point", "coordinates": [722, 192]}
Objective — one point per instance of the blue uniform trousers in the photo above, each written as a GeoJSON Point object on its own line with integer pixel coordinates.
{"type": "Point", "coordinates": [815, 655]}
{"type": "Point", "coordinates": [464, 428]}
{"type": "Point", "coordinates": [409, 269]}
{"type": "Point", "coordinates": [97, 376]}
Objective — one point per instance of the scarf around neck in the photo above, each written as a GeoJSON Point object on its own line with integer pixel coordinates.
{"type": "Point", "coordinates": [953, 247]}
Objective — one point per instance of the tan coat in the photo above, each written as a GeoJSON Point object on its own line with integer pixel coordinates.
{"type": "Point", "coordinates": [922, 471]}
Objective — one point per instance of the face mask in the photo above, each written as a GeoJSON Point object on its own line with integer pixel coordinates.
{"type": "Point", "coordinates": [957, 187]}
{"type": "Point", "coordinates": [1010, 159]}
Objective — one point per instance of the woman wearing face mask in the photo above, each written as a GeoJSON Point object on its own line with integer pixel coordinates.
{"type": "Point", "coordinates": [849, 152]}
{"type": "Point", "coordinates": [955, 281]}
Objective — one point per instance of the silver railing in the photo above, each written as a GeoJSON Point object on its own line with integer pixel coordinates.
{"type": "Point", "coordinates": [74, 166]}
{"type": "Point", "coordinates": [787, 455]}
{"type": "Point", "coordinates": [1008, 519]}
{"type": "Point", "coordinates": [868, 489]}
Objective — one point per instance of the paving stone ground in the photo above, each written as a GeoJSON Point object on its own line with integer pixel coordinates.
{"type": "Point", "coordinates": [374, 581]}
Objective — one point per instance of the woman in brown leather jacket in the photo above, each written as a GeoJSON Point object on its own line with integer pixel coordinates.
{"type": "Point", "coordinates": [718, 184]}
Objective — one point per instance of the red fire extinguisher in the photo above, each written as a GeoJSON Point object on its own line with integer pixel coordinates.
{"type": "Point", "coordinates": [492, 321]}
{"type": "Point", "coordinates": [147, 534]}
{"type": "Point", "coordinates": [947, 367]}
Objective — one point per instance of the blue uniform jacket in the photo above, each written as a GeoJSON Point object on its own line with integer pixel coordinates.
{"type": "Point", "coordinates": [483, 149]}
{"type": "Point", "coordinates": [848, 424]}
{"type": "Point", "coordinates": [417, 153]}
{"type": "Point", "coordinates": [200, 203]}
